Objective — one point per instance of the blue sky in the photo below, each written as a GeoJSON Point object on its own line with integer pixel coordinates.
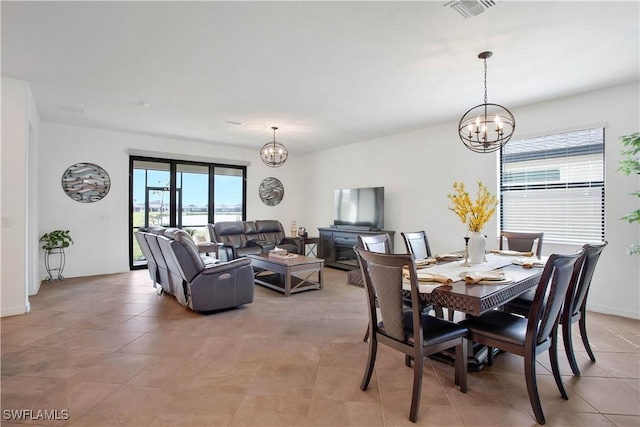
{"type": "Point", "coordinates": [195, 187]}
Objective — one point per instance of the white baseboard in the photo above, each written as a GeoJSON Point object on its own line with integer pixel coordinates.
{"type": "Point", "coordinates": [616, 311]}
{"type": "Point", "coordinates": [14, 311]}
{"type": "Point", "coordinates": [35, 291]}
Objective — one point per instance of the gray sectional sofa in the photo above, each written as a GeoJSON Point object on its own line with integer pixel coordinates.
{"type": "Point", "coordinates": [237, 239]}
{"type": "Point", "coordinates": [199, 282]}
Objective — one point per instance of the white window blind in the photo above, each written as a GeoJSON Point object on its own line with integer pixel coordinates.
{"type": "Point", "coordinates": [554, 184]}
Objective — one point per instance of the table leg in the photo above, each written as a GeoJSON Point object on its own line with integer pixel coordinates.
{"type": "Point", "coordinates": [287, 284]}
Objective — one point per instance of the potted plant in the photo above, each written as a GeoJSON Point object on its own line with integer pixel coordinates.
{"type": "Point", "coordinates": [54, 242]}
{"type": "Point", "coordinates": [628, 166]}
{"type": "Point", "coordinates": [56, 239]}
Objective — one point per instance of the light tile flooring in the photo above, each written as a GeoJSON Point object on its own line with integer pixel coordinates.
{"type": "Point", "coordinates": [112, 352]}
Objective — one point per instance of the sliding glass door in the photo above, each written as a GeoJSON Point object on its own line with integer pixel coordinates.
{"type": "Point", "coordinates": [192, 203]}
{"type": "Point", "coordinates": [229, 195]}
{"type": "Point", "coordinates": [187, 195]}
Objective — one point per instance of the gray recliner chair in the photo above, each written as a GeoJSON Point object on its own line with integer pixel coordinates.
{"type": "Point", "coordinates": [206, 284]}
{"type": "Point", "coordinates": [164, 279]}
{"type": "Point", "coordinates": [152, 266]}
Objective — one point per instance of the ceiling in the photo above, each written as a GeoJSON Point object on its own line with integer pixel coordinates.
{"type": "Point", "coordinates": [326, 73]}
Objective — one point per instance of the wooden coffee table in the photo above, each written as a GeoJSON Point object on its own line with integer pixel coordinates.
{"type": "Point", "coordinates": [288, 275]}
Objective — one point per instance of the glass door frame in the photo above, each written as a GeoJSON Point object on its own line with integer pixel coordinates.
{"type": "Point", "coordinates": [175, 195]}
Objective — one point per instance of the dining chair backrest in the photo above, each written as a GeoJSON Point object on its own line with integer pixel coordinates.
{"type": "Point", "coordinates": [577, 296]}
{"type": "Point", "coordinates": [558, 273]}
{"type": "Point", "coordinates": [417, 244]}
{"type": "Point", "coordinates": [382, 276]}
{"type": "Point", "coordinates": [380, 243]}
{"type": "Point", "coordinates": [522, 242]}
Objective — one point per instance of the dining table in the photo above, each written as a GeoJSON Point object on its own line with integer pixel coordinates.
{"type": "Point", "coordinates": [475, 299]}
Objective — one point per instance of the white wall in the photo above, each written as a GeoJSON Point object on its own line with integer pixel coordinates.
{"type": "Point", "coordinates": [100, 230]}
{"type": "Point", "coordinates": [20, 124]}
{"type": "Point", "coordinates": [418, 169]}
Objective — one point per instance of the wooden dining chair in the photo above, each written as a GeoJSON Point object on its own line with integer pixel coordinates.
{"type": "Point", "coordinates": [411, 332]}
{"type": "Point", "coordinates": [417, 244]}
{"type": "Point", "coordinates": [528, 337]}
{"type": "Point", "coordinates": [575, 306]}
{"type": "Point", "coordinates": [522, 242]}
{"type": "Point", "coordinates": [376, 243]}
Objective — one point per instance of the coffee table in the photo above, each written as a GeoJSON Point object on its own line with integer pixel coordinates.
{"type": "Point", "coordinates": [288, 275]}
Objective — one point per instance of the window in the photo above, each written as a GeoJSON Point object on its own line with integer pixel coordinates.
{"type": "Point", "coordinates": [179, 194]}
{"type": "Point", "coordinates": [554, 184]}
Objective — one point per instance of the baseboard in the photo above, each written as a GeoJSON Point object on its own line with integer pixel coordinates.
{"type": "Point", "coordinates": [616, 311]}
{"type": "Point", "coordinates": [14, 311]}
{"type": "Point", "coordinates": [35, 291]}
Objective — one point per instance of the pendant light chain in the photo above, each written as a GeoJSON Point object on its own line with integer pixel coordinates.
{"type": "Point", "coordinates": [274, 137]}
{"type": "Point", "coordinates": [485, 82]}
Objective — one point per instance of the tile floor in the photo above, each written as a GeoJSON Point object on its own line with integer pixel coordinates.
{"type": "Point", "coordinates": [111, 352]}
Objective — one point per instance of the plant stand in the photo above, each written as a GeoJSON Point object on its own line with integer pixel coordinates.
{"type": "Point", "coordinates": [52, 267]}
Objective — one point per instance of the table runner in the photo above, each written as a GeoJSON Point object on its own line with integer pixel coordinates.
{"type": "Point", "coordinates": [453, 270]}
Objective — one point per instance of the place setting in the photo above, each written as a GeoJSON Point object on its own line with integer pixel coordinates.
{"type": "Point", "coordinates": [427, 281]}
{"type": "Point", "coordinates": [425, 262]}
{"type": "Point", "coordinates": [493, 277]}
{"type": "Point", "coordinates": [531, 262]}
{"type": "Point", "coordinates": [449, 257]}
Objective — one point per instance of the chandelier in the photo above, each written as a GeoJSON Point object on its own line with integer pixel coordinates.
{"type": "Point", "coordinates": [273, 153]}
{"type": "Point", "coordinates": [486, 127]}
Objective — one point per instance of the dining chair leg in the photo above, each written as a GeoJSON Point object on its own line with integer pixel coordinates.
{"type": "Point", "coordinates": [532, 386]}
{"type": "Point", "coordinates": [461, 365]}
{"type": "Point", "coordinates": [407, 360]}
{"type": "Point", "coordinates": [417, 390]}
{"type": "Point", "coordinates": [439, 311]}
{"type": "Point", "coordinates": [366, 335]}
{"type": "Point", "coordinates": [373, 350]}
{"type": "Point", "coordinates": [568, 347]}
{"type": "Point", "coordinates": [450, 312]}
{"type": "Point", "coordinates": [490, 356]}
{"type": "Point", "coordinates": [555, 368]}
{"type": "Point", "coordinates": [583, 333]}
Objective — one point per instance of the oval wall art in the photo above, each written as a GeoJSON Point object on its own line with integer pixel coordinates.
{"type": "Point", "coordinates": [271, 191]}
{"type": "Point", "coordinates": [86, 182]}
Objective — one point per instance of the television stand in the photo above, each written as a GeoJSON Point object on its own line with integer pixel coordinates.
{"type": "Point", "coordinates": [337, 242]}
{"type": "Point", "coordinates": [356, 227]}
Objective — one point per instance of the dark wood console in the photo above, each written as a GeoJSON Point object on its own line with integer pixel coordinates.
{"type": "Point", "coordinates": [336, 245]}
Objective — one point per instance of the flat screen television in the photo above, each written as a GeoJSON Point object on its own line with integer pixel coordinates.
{"type": "Point", "coordinates": [360, 207]}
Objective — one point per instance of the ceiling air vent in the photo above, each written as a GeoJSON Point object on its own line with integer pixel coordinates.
{"type": "Point", "coordinates": [471, 8]}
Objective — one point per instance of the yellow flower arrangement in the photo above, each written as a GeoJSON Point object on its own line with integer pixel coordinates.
{"type": "Point", "coordinates": [477, 213]}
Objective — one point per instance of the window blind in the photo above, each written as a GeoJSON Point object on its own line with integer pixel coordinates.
{"type": "Point", "coordinates": [554, 184]}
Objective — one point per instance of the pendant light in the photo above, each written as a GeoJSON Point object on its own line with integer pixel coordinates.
{"type": "Point", "coordinates": [486, 127]}
{"type": "Point", "coordinates": [273, 153]}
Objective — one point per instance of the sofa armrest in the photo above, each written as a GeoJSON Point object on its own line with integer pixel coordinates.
{"type": "Point", "coordinates": [295, 241]}
{"type": "Point", "coordinates": [226, 252]}
{"type": "Point", "coordinates": [225, 266]}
